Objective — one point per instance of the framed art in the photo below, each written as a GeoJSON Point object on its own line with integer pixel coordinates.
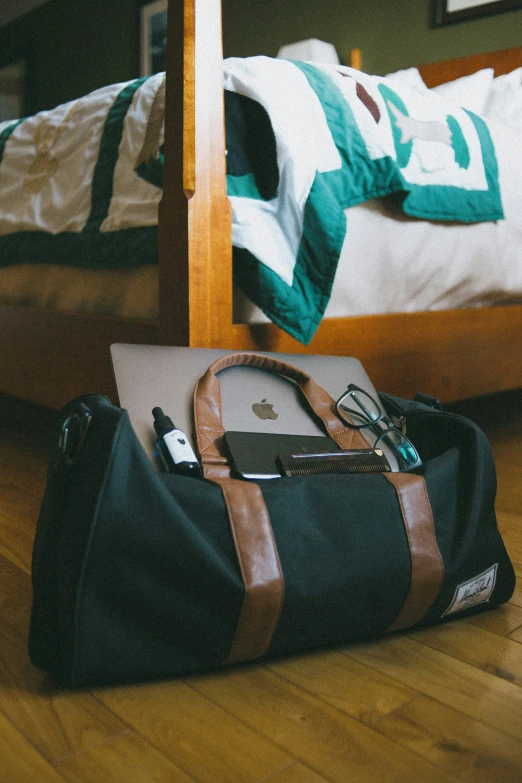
{"type": "Point", "coordinates": [153, 37]}
{"type": "Point", "coordinates": [448, 11]}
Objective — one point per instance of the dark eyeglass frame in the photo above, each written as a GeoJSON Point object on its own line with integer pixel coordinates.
{"type": "Point", "coordinates": [373, 424]}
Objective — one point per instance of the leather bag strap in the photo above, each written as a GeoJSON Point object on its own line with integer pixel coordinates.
{"type": "Point", "coordinates": [249, 519]}
{"type": "Point", "coordinates": [250, 523]}
{"type": "Point", "coordinates": [260, 569]}
{"type": "Point", "coordinates": [209, 428]}
{"type": "Point", "coordinates": [427, 568]}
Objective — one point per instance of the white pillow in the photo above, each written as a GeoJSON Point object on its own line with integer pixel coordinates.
{"type": "Point", "coordinates": [504, 101]}
{"type": "Point", "coordinates": [408, 77]}
{"type": "Point", "coordinates": [469, 92]}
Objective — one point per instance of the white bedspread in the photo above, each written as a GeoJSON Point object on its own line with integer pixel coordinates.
{"type": "Point", "coordinates": [389, 262]}
{"type": "Point", "coordinates": [392, 263]}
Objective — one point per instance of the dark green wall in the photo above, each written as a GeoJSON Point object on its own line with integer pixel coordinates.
{"type": "Point", "coordinates": [75, 46]}
{"type": "Point", "coordinates": [392, 34]}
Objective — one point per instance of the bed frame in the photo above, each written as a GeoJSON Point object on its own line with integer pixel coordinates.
{"type": "Point", "coordinates": [49, 357]}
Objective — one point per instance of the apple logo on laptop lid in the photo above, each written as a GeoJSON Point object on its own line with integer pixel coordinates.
{"type": "Point", "coordinates": [264, 410]}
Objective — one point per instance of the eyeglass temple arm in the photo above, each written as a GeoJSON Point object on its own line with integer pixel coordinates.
{"type": "Point", "coordinates": [360, 404]}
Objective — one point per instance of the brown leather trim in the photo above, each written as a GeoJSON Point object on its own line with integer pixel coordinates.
{"type": "Point", "coordinates": [207, 409]}
{"type": "Point", "coordinates": [250, 523]}
{"type": "Point", "coordinates": [260, 569]}
{"type": "Point", "coordinates": [209, 427]}
{"type": "Point", "coordinates": [427, 568]}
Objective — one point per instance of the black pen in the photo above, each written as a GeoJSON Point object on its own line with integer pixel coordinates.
{"type": "Point", "coordinates": [174, 448]}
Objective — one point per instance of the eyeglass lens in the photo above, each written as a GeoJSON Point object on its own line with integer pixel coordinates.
{"type": "Point", "coordinates": [364, 411]}
{"type": "Point", "coordinates": [404, 450]}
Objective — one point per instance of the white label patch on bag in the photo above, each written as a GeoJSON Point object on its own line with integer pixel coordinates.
{"type": "Point", "coordinates": [475, 591]}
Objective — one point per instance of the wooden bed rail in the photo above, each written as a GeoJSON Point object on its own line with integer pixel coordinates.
{"type": "Point", "coordinates": [195, 236]}
{"type": "Point", "coordinates": [504, 61]}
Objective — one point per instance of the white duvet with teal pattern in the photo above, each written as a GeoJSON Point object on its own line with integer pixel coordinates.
{"type": "Point", "coordinates": [80, 185]}
{"type": "Point", "coordinates": [342, 138]}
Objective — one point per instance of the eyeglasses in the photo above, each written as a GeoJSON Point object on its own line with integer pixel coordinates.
{"type": "Point", "coordinates": [359, 410]}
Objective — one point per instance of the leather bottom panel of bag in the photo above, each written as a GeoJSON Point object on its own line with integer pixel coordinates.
{"type": "Point", "coordinates": [136, 576]}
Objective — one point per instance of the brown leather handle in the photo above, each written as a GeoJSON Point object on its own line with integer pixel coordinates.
{"type": "Point", "coordinates": [208, 418]}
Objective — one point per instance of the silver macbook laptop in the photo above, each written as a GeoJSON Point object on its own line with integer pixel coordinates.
{"type": "Point", "coordinates": [253, 400]}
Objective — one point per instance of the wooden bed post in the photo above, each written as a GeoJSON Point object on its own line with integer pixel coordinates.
{"type": "Point", "coordinates": [355, 59]}
{"type": "Point", "coordinates": [195, 241]}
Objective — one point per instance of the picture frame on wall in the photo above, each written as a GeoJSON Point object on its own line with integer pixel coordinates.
{"type": "Point", "coordinates": [153, 37]}
{"type": "Point", "coordinates": [449, 11]}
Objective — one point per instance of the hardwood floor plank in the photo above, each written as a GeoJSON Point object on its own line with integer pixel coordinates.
{"type": "Point", "coordinates": [23, 473]}
{"type": "Point", "coordinates": [516, 636]}
{"type": "Point", "coordinates": [22, 482]}
{"type": "Point", "coordinates": [15, 596]}
{"type": "Point", "coordinates": [503, 620]}
{"type": "Point", "coordinates": [24, 459]}
{"type": "Point", "coordinates": [58, 722]}
{"type": "Point", "coordinates": [510, 525]}
{"type": "Point", "coordinates": [456, 684]}
{"type": "Point", "coordinates": [509, 521]}
{"type": "Point", "coordinates": [325, 739]}
{"type": "Point", "coordinates": [341, 682]}
{"type": "Point", "coordinates": [509, 493]}
{"type": "Point", "coordinates": [198, 736]}
{"type": "Point", "coordinates": [480, 648]}
{"type": "Point", "coordinates": [16, 540]}
{"type": "Point", "coordinates": [128, 758]}
{"type": "Point", "coordinates": [297, 773]}
{"type": "Point", "coordinates": [468, 749]}
{"type": "Point", "coordinates": [20, 762]}
{"type": "Point", "coordinates": [516, 598]}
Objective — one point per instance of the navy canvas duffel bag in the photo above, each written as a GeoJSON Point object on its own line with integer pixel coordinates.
{"type": "Point", "coordinates": [139, 574]}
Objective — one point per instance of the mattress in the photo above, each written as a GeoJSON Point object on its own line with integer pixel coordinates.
{"type": "Point", "coordinates": [389, 263]}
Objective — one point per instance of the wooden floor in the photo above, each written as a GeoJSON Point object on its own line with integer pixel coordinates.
{"type": "Point", "coordinates": [443, 704]}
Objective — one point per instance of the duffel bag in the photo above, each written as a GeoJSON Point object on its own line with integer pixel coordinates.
{"type": "Point", "coordinates": [139, 574]}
